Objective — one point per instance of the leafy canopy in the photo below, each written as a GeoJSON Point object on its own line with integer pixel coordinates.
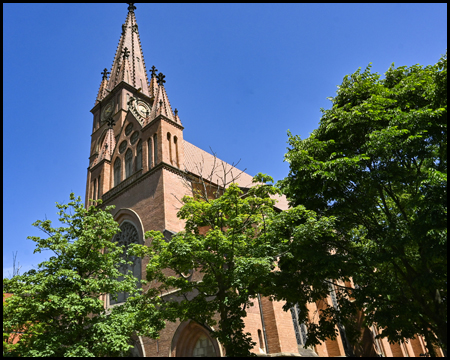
{"type": "Point", "coordinates": [218, 263]}
{"type": "Point", "coordinates": [377, 168]}
{"type": "Point", "coordinates": [58, 309]}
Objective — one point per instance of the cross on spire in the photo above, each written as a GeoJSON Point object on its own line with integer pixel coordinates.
{"type": "Point", "coordinates": [154, 70]}
{"type": "Point", "coordinates": [131, 7]}
{"type": "Point", "coordinates": [176, 112]}
{"type": "Point", "coordinates": [110, 122]}
{"type": "Point", "coordinates": [105, 74]}
{"type": "Point", "coordinates": [125, 53]}
{"type": "Point", "coordinates": [160, 103]}
{"type": "Point", "coordinates": [161, 80]}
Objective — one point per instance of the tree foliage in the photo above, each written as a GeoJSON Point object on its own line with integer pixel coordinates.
{"type": "Point", "coordinates": [56, 310]}
{"type": "Point", "coordinates": [375, 171]}
{"type": "Point", "coordinates": [225, 239]}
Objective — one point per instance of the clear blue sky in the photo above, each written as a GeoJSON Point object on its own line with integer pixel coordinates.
{"type": "Point", "coordinates": [240, 75]}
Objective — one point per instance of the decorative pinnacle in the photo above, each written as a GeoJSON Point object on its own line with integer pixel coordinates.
{"type": "Point", "coordinates": [105, 74]}
{"type": "Point", "coordinates": [110, 122]}
{"type": "Point", "coordinates": [154, 70]}
{"type": "Point", "coordinates": [125, 53]}
{"type": "Point", "coordinates": [131, 7]}
{"type": "Point", "coordinates": [161, 80]}
{"type": "Point", "coordinates": [160, 103]}
{"type": "Point", "coordinates": [176, 112]}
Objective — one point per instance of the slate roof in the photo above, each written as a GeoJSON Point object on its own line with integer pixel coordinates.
{"type": "Point", "coordinates": [202, 163]}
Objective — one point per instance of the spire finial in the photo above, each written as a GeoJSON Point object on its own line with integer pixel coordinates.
{"type": "Point", "coordinates": [125, 53]}
{"type": "Point", "coordinates": [176, 112]}
{"type": "Point", "coordinates": [110, 122]}
{"type": "Point", "coordinates": [105, 74]}
{"type": "Point", "coordinates": [161, 80]}
{"type": "Point", "coordinates": [160, 103]}
{"type": "Point", "coordinates": [154, 70]}
{"type": "Point", "coordinates": [131, 7]}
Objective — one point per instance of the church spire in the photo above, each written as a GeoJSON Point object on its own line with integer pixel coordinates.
{"type": "Point", "coordinates": [161, 105]}
{"type": "Point", "coordinates": [133, 62]}
{"type": "Point", "coordinates": [102, 91]}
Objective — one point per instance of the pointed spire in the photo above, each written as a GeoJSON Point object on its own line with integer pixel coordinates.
{"type": "Point", "coordinates": [109, 143]}
{"type": "Point", "coordinates": [102, 90]}
{"type": "Point", "coordinates": [161, 105]}
{"type": "Point", "coordinates": [129, 40]}
{"type": "Point", "coordinates": [125, 69]}
{"type": "Point", "coordinates": [153, 88]}
{"type": "Point", "coordinates": [176, 117]}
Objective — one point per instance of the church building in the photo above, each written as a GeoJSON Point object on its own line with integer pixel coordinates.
{"type": "Point", "coordinates": [139, 162]}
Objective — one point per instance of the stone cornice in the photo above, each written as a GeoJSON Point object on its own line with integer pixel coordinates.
{"type": "Point", "coordinates": [135, 179]}
{"type": "Point", "coordinates": [162, 117]}
{"type": "Point", "coordinates": [100, 162]}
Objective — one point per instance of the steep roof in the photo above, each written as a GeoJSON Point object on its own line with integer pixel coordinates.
{"type": "Point", "coordinates": [211, 168]}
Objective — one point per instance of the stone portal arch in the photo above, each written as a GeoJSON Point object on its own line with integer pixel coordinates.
{"type": "Point", "coordinates": [192, 339]}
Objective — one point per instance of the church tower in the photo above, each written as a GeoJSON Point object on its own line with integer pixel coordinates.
{"type": "Point", "coordinates": [136, 142]}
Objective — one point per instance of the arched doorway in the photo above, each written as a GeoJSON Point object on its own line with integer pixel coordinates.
{"type": "Point", "coordinates": [192, 339]}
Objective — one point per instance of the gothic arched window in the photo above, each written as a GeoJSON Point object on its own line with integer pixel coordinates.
{"type": "Point", "coordinates": [155, 150]}
{"type": "Point", "coordinates": [127, 236]}
{"type": "Point", "coordinates": [95, 190]}
{"type": "Point", "coordinates": [203, 347]}
{"type": "Point", "coordinates": [117, 172]}
{"type": "Point", "coordinates": [175, 143]}
{"type": "Point", "coordinates": [139, 156]}
{"type": "Point", "coordinates": [170, 148]}
{"type": "Point", "coordinates": [128, 163]}
{"type": "Point", "coordinates": [150, 151]}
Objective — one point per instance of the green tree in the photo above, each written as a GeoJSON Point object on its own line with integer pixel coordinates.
{"type": "Point", "coordinates": [375, 170]}
{"type": "Point", "coordinates": [225, 240]}
{"type": "Point", "coordinates": [56, 310]}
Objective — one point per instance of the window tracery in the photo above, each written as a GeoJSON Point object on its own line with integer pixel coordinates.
{"type": "Point", "coordinates": [128, 163]}
{"type": "Point", "coordinates": [203, 347]}
{"type": "Point", "coordinates": [139, 156]}
{"type": "Point", "coordinates": [127, 236]}
{"type": "Point", "coordinates": [117, 171]}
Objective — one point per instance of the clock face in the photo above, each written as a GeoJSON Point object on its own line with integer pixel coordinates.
{"type": "Point", "coordinates": [107, 111]}
{"type": "Point", "coordinates": [143, 108]}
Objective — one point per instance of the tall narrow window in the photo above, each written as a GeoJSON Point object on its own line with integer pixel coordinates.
{"type": "Point", "coordinates": [128, 163]}
{"type": "Point", "coordinates": [127, 236]}
{"type": "Point", "coordinates": [98, 193]}
{"type": "Point", "coordinates": [95, 189]}
{"type": "Point", "coordinates": [155, 150]}
{"type": "Point", "coordinates": [150, 153]}
{"type": "Point", "coordinates": [139, 156]}
{"type": "Point", "coordinates": [175, 143]}
{"type": "Point", "coordinates": [170, 148]}
{"type": "Point", "coordinates": [117, 172]}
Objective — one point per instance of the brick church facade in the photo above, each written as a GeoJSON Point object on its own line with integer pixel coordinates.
{"type": "Point", "coordinates": [138, 162]}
